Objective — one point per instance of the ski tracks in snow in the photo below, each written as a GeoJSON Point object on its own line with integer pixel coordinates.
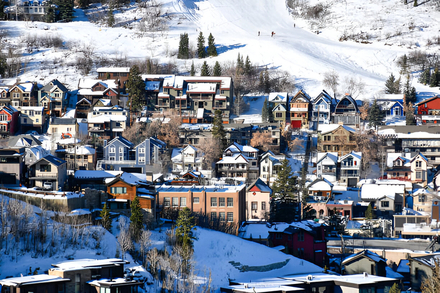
{"type": "Point", "coordinates": [190, 14]}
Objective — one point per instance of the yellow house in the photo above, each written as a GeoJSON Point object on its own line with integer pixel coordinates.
{"type": "Point", "coordinates": [32, 118]}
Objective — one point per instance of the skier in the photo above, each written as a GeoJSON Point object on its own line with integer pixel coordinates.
{"type": "Point", "coordinates": [258, 33]}
{"type": "Point", "coordinates": [273, 34]}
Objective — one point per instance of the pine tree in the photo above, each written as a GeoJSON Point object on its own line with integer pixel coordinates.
{"type": "Point", "coordinates": [266, 81]}
{"type": "Point", "coordinates": [192, 72]}
{"type": "Point", "coordinates": [395, 288]}
{"type": "Point", "coordinates": [433, 82]}
{"type": "Point", "coordinates": [136, 88]}
{"type": "Point", "coordinates": [183, 52]}
{"type": "Point", "coordinates": [217, 69]}
{"type": "Point", "coordinates": [425, 76]}
{"type": "Point", "coordinates": [390, 85]}
{"type": "Point", "coordinates": [3, 64]}
{"type": "Point", "coordinates": [375, 116]}
{"type": "Point", "coordinates": [65, 8]}
{"type": "Point", "coordinates": [404, 65]}
{"type": "Point", "coordinates": [218, 131]}
{"type": "Point", "coordinates": [369, 213]}
{"type": "Point", "coordinates": [201, 52]}
{"type": "Point", "coordinates": [409, 114]}
{"type": "Point", "coordinates": [415, 3]}
{"type": "Point", "coordinates": [110, 16]}
{"type": "Point", "coordinates": [136, 218]}
{"type": "Point", "coordinates": [106, 221]}
{"type": "Point", "coordinates": [397, 86]}
{"type": "Point", "coordinates": [50, 13]}
{"type": "Point", "coordinates": [184, 228]}
{"type": "Point", "coordinates": [265, 111]}
{"type": "Point", "coordinates": [205, 69]}
{"type": "Point", "coordinates": [248, 66]}
{"type": "Point", "coordinates": [212, 51]}
{"type": "Point", "coordinates": [413, 95]}
{"type": "Point", "coordinates": [285, 184]}
{"type": "Point", "coordinates": [261, 81]}
{"type": "Point", "coordinates": [239, 69]}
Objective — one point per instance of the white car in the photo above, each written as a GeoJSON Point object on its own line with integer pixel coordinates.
{"type": "Point", "coordinates": [47, 185]}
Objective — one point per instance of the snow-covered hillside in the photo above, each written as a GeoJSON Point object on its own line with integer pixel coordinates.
{"type": "Point", "coordinates": [394, 29]}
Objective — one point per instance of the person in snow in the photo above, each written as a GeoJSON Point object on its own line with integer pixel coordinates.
{"type": "Point", "coordinates": [273, 34]}
{"type": "Point", "coordinates": [258, 33]}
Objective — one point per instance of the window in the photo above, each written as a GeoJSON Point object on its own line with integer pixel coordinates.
{"type": "Point", "coordinates": [264, 168]}
{"type": "Point", "coordinates": [77, 283]}
{"type": "Point", "coordinates": [221, 202]}
{"type": "Point", "coordinates": [300, 252]}
{"type": "Point", "coordinates": [183, 202]}
{"type": "Point", "coordinates": [24, 120]}
{"type": "Point", "coordinates": [301, 236]}
{"type": "Point", "coordinates": [418, 175]}
{"type": "Point", "coordinates": [175, 201]}
{"type": "Point", "coordinates": [254, 206]}
{"type": "Point", "coordinates": [213, 201]}
{"type": "Point", "coordinates": [230, 217]}
{"type": "Point", "coordinates": [121, 157]}
{"type": "Point", "coordinates": [222, 216]}
{"type": "Point", "coordinates": [142, 150]}
{"type": "Point", "coordinates": [385, 204]}
{"type": "Point", "coordinates": [279, 236]}
{"type": "Point", "coordinates": [121, 149]}
{"type": "Point", "coordinates": [45, 168]}
{"type": "Point", "coordinates": [418, 163]}
{"type": "Point", "coordinates": [213, 215]}
{"type": "Point", "coordinates": [422, 198]}
{"type": "Point", "coordinates": [196, 200]}
{"type": "Point", "coordinates": [112, 149]}
{"type": "Point", "coordinates": [141, 159]}
{"type": "Point", "coordinates": [230, 202]}
{"type": "Point", "coordinates": [263, 205]}
{"type": "Point", "coordinates": [166, 201]}
{"type": "Point", "coordinates": [118, 190]}
{"type": "Point", "coordinates": [38, 120]}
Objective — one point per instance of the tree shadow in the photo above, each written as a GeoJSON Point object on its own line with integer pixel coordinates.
{"type": "Point", "coordinates": [222, 48]}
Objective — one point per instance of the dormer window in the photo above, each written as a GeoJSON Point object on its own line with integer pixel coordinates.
{"type": "Point", "coordinates": [418, 164]}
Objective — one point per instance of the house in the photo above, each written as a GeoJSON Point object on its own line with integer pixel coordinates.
{"type": "Point", "coordinates": [24, 95]}
{"type": "Point", "coordinates": [94, 179]}
{"type": "Point", "coordinates": [336, 138]}
{"type": "Point", "coordinates": [32, 118]}
{"type": "Point", "coordinates": [277, 98]}
{"type": "Point", "coordinates": [300, 110]}
{"type": "Point", "coordinates": [8, 121]}
{"type": "Point", "coordinates": [12, 166]}
{"type": "Point", "coordinates": [63, 127]}
{"type": "Point", "coordinates": [190, 177]}
{"type": "Point", "coordinates": [23, 140]}
{"type": "Point", "coordinates": [83, 107]}
{"type": "Point", "coordinates": [422, 200]}
{"type": "Point", "coordinates": [365, 261]}
{"type": "Point", "coordinates": [223, 203]}
{"type": "Point", "coordinates": [107, 122]}
{"type": "Point", "coordinates": [239, 161]}
{"type": "Point", "coordinates": [35, 284]}
{"type": "Point", "coordinates": [327, 166]}
{"type": "Point", "coordinates": [270, 164]}
{"type": "Point", "coordinates": [32, 10]}
{"type": "Point", "coordinates": [121, 154]}
{"type": "Point", "coordinates": [91, 275]}
{"type": "Point", "coordinates": [419, 169]}
{"type": "Point", "coordinates": [53, 97]}
{"type": "Point", "coordinates": [429, 110]}
{"type": "Point", "coordinates": [94, 90]}
{"type": "Point", "coordinates": [187, 159]}
{"type": "Point", "coordinates": [124, 188]}
{"type": "Point", "coordinates": [398, 167]}
{"type": "Point", "coordinates": [350, 171]}
{"type": "Point", "coordinates": [78, 157]}
{"type": "Point", "coordinates": [323, 107]}
{"type": "Point", "coordinates": [5, 100]}
{"type": "Point", "coordinates": [115, 73]}
{"type": "Point", "coordinates": [422, 268]}
{"type": "Point", "coordinates": [392, 105]}
{"type": "Point", "coordinates": [48, 169]}
{"type": "Point", "coordinates": [347, 112]}
{"type": "Point", "coordinates": [279, 113]}
{"type": "Point", "coordinates": [258, 196]}
{"type": "Point", "coordinates": [321, 188]}
{"type": "Point", "coordinates": [388, 198]}
{"type": "Point", "coordinates": [305, 239]}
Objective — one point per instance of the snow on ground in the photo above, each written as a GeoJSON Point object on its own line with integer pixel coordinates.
{"type": "Point", "coordinates": [234, 24]}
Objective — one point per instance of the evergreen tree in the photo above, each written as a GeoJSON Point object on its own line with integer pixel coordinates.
{"type": "Point", "coordinates": [265, 111]}
{"type": "Point", "coordinates": [397, 86]}
{"type": "Point", "coordinates": [375, 116]}
{"type": "Point", "coordinates": [270, 111]}
{"type": "Point", "coordinates": [218, 131]}
{"type": "Point", "coordinates": [404, 65]}
{"type": "Point", "coordinates": [425, 76]}
{"type": "Point", "coordinates": [3, 64]}
{"type": "Point", "coordinates": [212, 51]}
{"type": "Point", "coordinates": [136, 218]}
{"type": "Point", "coordinates": [248, 66]}
{"type": "Point", "coordinates": [240, 65]}
{"type": "Point", "coordinates": [415, 3]}
{"type": "Point", "coordinates": [413, 95]}
{"type": "Point", "coordinates": [217, 69]}
{"type": "Point", "coordinates": [205, 69]}
{"type": "Point", "coordinates": [183, 52]}
{"type": "Point", "coordinates": [266, 81]}
{"type": "Point", "coordinates": [50, 13]}
{"type": "Point", "coordinates": [201, 52]}
{"type": "Point", "coordinates": [136, 88]}
{"type": "Point", "coordinates": [409, 114]}
{"type": "Point", "coordinates": [261, 81]}
{"type": "Point", "coordinates": [369, 213]}
{"type": "Point", "coordinates": [390, 85]}
{"type": "Point", "coordinates": [106, 221]}
{"type": "Point", "coordinates": [184, 228]}
{"type": "Point", "coordinates": [110, 16]}
{"type": "Point", "coordinates": [285, 184]}
{"type": "Point", "coordinates": [65, 8]}
{"type": "Point", "coordinates": [433, 82]}
{"type": "Point", "coordinates": [394, 289]}
{"type": "Point", "coordinates": [192, 72]}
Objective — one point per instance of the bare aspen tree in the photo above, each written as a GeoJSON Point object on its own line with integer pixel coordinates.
{"type": "Point", "coordinates": [331, 80]}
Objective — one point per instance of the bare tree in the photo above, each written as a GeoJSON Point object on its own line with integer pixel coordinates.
{"type": "Point", "coordinates": [144, 243]}
{"type": "Point", "coordinates": [211, 147]}
{"type": "Point", "coordinates": [124, 237]}
{"type": "Point", "coordinates": [295, 144]}
{"type": "Point", "coordinates": [261, 140]}
{"type": "Point", "coordinates": [354, 86]}
{"type": "Point", "coordinates": [331, 80]}
{"type": "Point", "coordinates": [169, 130]}
{"type": "Point", "coordinates": [432, 284]}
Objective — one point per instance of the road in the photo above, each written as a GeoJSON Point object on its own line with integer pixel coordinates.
{"type": "Point", "coordinates": [414, 245]}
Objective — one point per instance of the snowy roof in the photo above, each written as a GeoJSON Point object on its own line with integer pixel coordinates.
{"type": "Point", "coordinates": [365, 253]}
{"type": "Point", "coordinates": [129, 178]}
{"type": "Point", "coordinates": [320, 184]}
{"type": "Point", "coordinates": [23, 140]}
{"type": "Point", "coordinates": [429, 260]}
{"type": "Point", "coordinates": [179, 80]}
{"type": "Point", "coordinates": [35, 108]}
{"type": "Point", "coordinates": [96, 174]}
{"type": "Point", "coordinates": [25, 87]}
{"type": "Point", "coordinates": [391, 157]}
{"type": "Point", "coordinates": [29, 280]}
{"type": "Point", "coordinates": [113, 282]}
{"type": "Point", "coordinates": [198, 188]}
{"type": "Point", "coordinates": [234, 159]}
{"type": "Point", "coordinates": [278, 97]}
{"type": "Point", "coordinates": [301, 95]}
{"type": "Point", "coordinates": [387, 105]}
{"type": "Point", "coordinates": [391, 97]}
{"type": "Point", "coordinates": [122, 140]}
{"type": "Point", "coordinates": [328, 158]}
{"type": "Point", "coordinates": [279, 107]}
{"type": "Point", "coordinates": [113, 69]}
{"type": "Point", "coordinates": [260, 185]}
{"type": "Point", "coordinates": [87, 264]}
{"type": "Point", "coordinates": [357, 155]}
{"type": "Point", "coordinates": [376, 191]}
{"type": "Point", "coordinates": [81, 150]}
{"type": "Point", "coordinates": [326, 128]}
{"type": "Point", "coordinates": [238, 148]}
{"type": "Point", "coordinates": [324, 96]}
{"type": "Point", "coordinates": [51, 159]}
{"type": "Point", "coordinates": [201, 88]}
{"type": "Point", "coordinates": [38, 151]}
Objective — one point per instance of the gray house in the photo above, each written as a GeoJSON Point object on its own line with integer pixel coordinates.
{"type": "Point", "coordinates": [121, 155]}
{"type": "Point", "coordinates": [365, 261]}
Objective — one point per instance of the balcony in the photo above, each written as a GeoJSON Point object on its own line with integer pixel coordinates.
{"type": "Point", "coordinates": [232, 168]}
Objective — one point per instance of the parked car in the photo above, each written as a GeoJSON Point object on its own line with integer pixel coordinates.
{"type": "Point", "coordinates": [47, 185]}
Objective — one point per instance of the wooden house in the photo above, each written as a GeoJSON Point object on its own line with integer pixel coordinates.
{"type": "Point", "coordinates": [300, 110]}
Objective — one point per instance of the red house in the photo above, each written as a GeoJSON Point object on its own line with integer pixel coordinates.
{"type": "Point", "coordinates": [8, 121]}
{"type": "Point", "coordinates": [303, 239]}
{"type": "Point", "coordinates": [429, 110]}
